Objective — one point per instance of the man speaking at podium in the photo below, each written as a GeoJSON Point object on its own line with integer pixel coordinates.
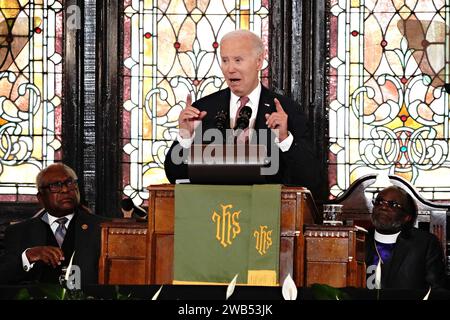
{"type": "Point", "coordinates": [242, 56]}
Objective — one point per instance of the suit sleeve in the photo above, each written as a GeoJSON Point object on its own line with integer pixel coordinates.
{"type": "Point", "coordinates": [174, 166]}
{"type": "Point", "coordinates": [11, 270]}
{"type": "Point", "coordinates": [298, 163]}
{"type": "Point", "coordinates": [434, 264]}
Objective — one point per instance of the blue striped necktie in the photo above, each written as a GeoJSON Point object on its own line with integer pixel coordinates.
{"type": "Point", "coordinates": [61, 230]}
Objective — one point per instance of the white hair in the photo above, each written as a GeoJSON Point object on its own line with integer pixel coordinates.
{"type": "Point", "coordinates": [256, 41]}
{"type": "Point", "coordinates": [41, 175]}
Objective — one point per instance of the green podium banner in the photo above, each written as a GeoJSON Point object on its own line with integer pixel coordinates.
{"type": "Point", "coordinates": [221, 231]}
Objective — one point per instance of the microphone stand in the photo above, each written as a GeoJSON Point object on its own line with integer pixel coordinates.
{"type": "Point", "coordinates": [220, 122]}
{"type": "Point", "coordinates": [242, 122]}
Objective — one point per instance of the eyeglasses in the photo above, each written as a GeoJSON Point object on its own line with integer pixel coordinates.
{"type": "Point", "coordinates": [388, 203]}
{"type": "Point", "coordinates": [56, 187]}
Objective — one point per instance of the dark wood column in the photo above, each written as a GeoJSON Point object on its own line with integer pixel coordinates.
{"type": "Point", "coordinates": [79, 107]}
{"type": "Point", "coordinates": [73, 103]}
{"type": "Point", "coordinates": [108, 108]}
{"type": "Point", "coordinates": [298, 54]}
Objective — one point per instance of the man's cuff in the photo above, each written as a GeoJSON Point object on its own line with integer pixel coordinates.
{"type": "Point", "coordinates": [185, 143]}
{"type": "Point", "coordinates": [25, 263]}
{"type": "Point", "coordinates": [285, 145]}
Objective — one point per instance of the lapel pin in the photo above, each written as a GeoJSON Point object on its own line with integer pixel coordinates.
{"type": "Point", "coordinates": [267, 105]}
{"type": "Point", "coordinates": [84, 226]}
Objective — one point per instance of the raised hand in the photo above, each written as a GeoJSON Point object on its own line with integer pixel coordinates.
{"type": "Point", "coordinates": [47, 254]}
{"type": "Point", "coordinates": [189, 119]}
{"type": "Point", "coordinates": [278, 121]}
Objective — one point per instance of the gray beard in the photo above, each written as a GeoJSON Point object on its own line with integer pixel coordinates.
{"type": "Point", "coordinates": [386, 228]}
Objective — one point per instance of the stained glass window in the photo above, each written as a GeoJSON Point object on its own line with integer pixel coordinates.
{"type": "Point", "coordinates": [30, 93]}
{"type": "Point", "coordinates": [389, 91]}
{"type": "Point", "coordinates": [171, 49]}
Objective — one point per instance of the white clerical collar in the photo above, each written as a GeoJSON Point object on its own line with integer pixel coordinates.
{"type": "Point", "coordinates": [386, 238]}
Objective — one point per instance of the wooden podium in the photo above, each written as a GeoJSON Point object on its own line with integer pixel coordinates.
{"type": "Point", "coordinates": [297, 209]}
{"type": "Point", "coordinates": [137, 253]}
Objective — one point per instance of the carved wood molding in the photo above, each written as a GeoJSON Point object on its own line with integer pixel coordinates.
{"type": "Point", "coordinates": [165, 194]}
{"type": "Point", "coordinates": [288, 196]}
{"type": "Point", "coordinates": [327, 234]}
{"type": "Point", "coordinates": [127, 231]}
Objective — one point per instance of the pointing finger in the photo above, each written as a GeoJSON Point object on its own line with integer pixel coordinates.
{"type": "Point", "coordinates": [188, 100]}
{"type": "Point", "coordinates": [202, 115]}
{"type": "Point", "coordinates": [278, 105]}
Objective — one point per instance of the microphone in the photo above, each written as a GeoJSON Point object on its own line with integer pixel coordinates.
{"type": "Point", "coordinates": [128, 208]}
{"type": "Point", "coordinates": [447, 87]}
{"type": "Point", "coordinates": [220, 120]}
{"type": "Point", "coordinates": [243, 119]}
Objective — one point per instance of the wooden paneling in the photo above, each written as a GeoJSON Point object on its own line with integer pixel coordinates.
{"type": "Point", "coordinates": [123, 252]}
{"type": "Point", "coordinates": [335, 256]}
{"type": "Point", "coordinates": [163, 272]}
{"type": "Point", "coordinates": [330, 273]}
{"type": "Point", "coordinates": [140, 253]}
{"type": "Point", "coordinates": [126, 271]}
{"type": "Point", "coordinates": [331, 249]}
{"type": "Point", "coordinates": [121, 244]}
{"type": "Point", "coordinates": [147, 251]}
{"type": "Point", "coordinates": [297, 207]}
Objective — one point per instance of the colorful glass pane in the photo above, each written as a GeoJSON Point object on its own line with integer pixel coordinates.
{"type": "Point", "coordinates": [170, 50]}
{"type": "Point", "coordinates": [389, 92]}
{"type": "Point", "coordinates": [30, 93]}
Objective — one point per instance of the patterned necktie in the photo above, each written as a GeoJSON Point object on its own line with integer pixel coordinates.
{"type": "Point", "coordinates": [243, 136]}
{"type": "Point", "coordinates": [61, 230]}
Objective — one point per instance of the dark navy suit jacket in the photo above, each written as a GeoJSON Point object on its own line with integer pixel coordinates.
{"type": "Point", "coordinates": [83, 236]}
{"type": "Point", "coordinates": [297, 165]}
